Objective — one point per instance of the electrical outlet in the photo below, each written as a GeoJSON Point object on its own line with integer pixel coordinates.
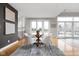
{"type": "Point", "coordinates": [8, 41]}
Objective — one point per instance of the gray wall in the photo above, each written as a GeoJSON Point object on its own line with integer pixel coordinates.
{"type": "Point", "coordinates": [53, 26]}
{"type": "Point", "coordinates": [6, 39]}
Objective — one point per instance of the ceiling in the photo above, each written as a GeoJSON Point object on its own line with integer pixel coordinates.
{"type": "Point", "coordinates": [44, 9]}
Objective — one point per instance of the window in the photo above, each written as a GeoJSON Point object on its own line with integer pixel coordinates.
{"type": "Point", "coordinates": [68, 29]}
{"type": "Point", "coordinates": [33, 24]}
{"type": "Point", "coordinates": [68, 26]}
{"type": "Point", "coordinates": [46, 27]}
{"type": "Point", "coordinates": [76, 29]}
{"type": "Point", "coordinates": [68, 33]}
{"type": "Point", "coordinates": [64, 18]}
{"type": "Point", "coordinates": [61, 19]}
{"type": "Point", "coordinates": [39, 26]}
{"type": "Point", "coordinates": [61, 29]}
{"type": "Point", "coordinates": [43, 26]}
{"type": "Point", "coordinates": [76, 18]}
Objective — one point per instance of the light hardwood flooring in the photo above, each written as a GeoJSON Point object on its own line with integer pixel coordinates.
{"type": "Point", "coordinates": [15, 47]}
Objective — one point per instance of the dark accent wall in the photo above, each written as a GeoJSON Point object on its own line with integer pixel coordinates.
{"type": "Point", "coordinates": [10, 37]}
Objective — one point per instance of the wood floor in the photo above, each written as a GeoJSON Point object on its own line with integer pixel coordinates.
{"type": "Point", "coordinates": [9, 50]}
{"type": "Point", "coordinates": [67, 49]}
{"type": "Point", "coordinates": [12, 47]}
{"type": "Point", "coordinates": [72, 52]}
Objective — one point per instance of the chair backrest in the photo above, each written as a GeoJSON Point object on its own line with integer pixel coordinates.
{"type": "Point", "coordinates": [47, 40]}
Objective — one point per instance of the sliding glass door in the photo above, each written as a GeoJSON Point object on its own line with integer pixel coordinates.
{"type": "Point", "coordinates": [61, 29]}
{"type": "Point", "coordinates": [46, 28]}
{"type": "Point", "coordinates": [68, 34]}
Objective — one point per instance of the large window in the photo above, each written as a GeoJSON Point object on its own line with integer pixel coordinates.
{"type": "Point", "coordinates": [43, 26]}
{"type": "Point", "coordinates": [68, 27]}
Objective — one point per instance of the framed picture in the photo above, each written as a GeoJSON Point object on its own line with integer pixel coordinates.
{"type": "Point", "coordinates": [9, 28]}
{"type": "Point", "coordinates": [9, 14]}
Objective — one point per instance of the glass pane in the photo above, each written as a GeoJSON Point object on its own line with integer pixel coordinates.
{"type": "Point", "coordinates": [76, 34]}
{"type": "Point", "coordinates": [68, 29]}
{"type": "Point", "coordinates": [68, 19]}
{"type": "Point", "coordinates": [33, 27]}
{"type": "Point", "coordinates": [76, 18]}
{"type": "Point", "coordinates": [76, 29]}
{"type": "Point", "coordinates": [76, 26]}
{"type": "Point", "coordinates": [61, 18]}
{"type": "Point", "coordinates": [61, 26]}
{"type": "Point", "coordinates": [64, 18]}
{"type": "Point", "coordinates": [61, 29]}
{"type": "Point", "coordinates": [39, 26]}
{"type": "Point", "coordinates": [33, 24]}
{"type": "Point", "coordinates": [46, 26]}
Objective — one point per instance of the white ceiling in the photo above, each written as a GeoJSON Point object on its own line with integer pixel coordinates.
{"type": "Point", "coordinates": [44, 9]}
